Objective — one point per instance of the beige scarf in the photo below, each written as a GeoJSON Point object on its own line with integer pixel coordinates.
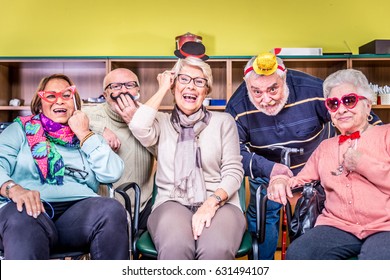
{"type": "Point", "coordinates": [189, 180]}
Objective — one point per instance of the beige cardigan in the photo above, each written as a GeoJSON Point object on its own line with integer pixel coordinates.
{"type": "Point", "coordinates": [360, 202]}
{"type": "Point", "coordinates": [219, 145]}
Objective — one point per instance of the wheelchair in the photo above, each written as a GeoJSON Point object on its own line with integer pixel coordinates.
{"type": "Point", "coordinates": [287, 213]}
{"type": "Point", "coordinates": [261, 202]}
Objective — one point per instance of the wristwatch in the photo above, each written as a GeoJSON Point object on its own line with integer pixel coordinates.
{"type": "Point", "coordinates": [9, 186]}
{"type": "Point", "coordinates": [218, 198]}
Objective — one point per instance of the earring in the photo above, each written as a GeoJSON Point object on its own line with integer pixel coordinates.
{"type": "Point", "coordinates": [370, 118]}
{"type": "Point", "coordinates": [332, 124]}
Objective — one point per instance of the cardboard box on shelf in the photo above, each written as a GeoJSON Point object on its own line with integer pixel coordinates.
{"type": "Point", "coordinates": [297, 51]}
{"type": "Point", "coordinates": [376, 47]}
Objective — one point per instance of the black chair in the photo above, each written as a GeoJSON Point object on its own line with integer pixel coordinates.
{"type": "Point", "coordinates": [261, 209]}
{"type": "Point", "coordinates": [134, 218]}
{"type": "Point", "coordinates": [132, 226]}
{"type": "Point", "coordinates": [261, 203]}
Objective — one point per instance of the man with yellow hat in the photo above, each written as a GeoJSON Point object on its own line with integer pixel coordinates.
{"type": "Point", "coordinates": [275, 107]}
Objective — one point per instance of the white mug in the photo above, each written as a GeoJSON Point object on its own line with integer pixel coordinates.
{"type": "Point", "coordinates": [14, 102]}
{"type": "Point", "coordinates": [206, 101]}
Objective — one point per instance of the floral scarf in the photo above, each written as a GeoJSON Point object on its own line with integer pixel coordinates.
{"type": "Point", "coordinates": [42, 133]}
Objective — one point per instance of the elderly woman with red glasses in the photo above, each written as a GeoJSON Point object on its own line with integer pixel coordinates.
{"type": "Point", "coordinates": [51, 165]}
{"type": "Point", "coordinates": [354, 169]}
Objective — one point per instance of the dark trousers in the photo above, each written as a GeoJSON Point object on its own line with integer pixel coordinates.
{"type": "Point", "coordinates": [98, 225]}
{"type": "Point", "coordinates": [330, 243]}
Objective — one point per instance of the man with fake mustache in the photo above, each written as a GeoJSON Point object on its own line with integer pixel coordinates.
{"type": "Point", "coordinates": [121, 86]}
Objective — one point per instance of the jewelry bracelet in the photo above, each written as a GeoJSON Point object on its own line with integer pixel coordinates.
{"type": "Point", "coordinates": [86, 137]}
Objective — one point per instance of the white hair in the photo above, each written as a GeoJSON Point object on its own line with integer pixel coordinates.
{"type": "Point", "coordinates": [352, 77]}
{"type": "Point", "coordinates": [195, 62]}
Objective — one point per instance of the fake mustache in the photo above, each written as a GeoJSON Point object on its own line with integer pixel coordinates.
{"type": "Point", "coordinates": [134, 98]}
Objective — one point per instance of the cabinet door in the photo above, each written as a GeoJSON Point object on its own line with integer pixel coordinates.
{"type": "Point", "coordinates": [318, 67]}
{"type": "Point", "coordinates": [377, 71]}
{"type": "Point", "coordinates": [237, 73]}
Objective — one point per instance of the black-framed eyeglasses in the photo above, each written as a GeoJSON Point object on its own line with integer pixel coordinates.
{"type": "Point", "coordinates": [118, 86]}
{"type": "Point", "coordinates": [198, 81]}
{"type": "Point", "coordinates": [77, 173]}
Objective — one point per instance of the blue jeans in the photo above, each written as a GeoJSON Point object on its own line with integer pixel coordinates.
{"type": "Point", "coordinates": [268, 247]}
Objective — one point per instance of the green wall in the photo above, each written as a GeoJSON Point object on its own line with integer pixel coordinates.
{"type": "Point", "coordinates": [149, 27]}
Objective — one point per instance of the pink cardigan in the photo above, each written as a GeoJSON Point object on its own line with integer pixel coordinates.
{"type": "Point", "coordinates": [360, 202]}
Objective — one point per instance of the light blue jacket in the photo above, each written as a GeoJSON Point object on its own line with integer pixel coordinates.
{"type": "Point", "coordinates": [95, 157]}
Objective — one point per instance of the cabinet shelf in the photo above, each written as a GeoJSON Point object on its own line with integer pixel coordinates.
{"type": "Point", "coordinates": [381, 107]}
{"type": "Point", "coordinates": [15, 108]}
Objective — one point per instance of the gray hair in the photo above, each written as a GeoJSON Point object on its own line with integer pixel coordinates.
{"type": "Point", "coordinates": [349, 76]}
{"type": "Point", "coordinates": [195, 62]}
{"type": "Point", "coordinates": [249, 64]}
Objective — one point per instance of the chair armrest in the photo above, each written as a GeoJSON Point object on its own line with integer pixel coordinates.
{"type": "Point", "coordinates": [122, 191]}
{"type": "Point", "coordinates": [261, 209]}
{"type": "Point", "coordinates": [295, 190]}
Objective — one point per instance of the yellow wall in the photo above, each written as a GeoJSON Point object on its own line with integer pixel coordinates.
{"type": "Point", "coordinates": [148, 27]}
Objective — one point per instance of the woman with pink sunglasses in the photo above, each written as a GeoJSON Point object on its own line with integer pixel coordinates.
{"type": "Point", "coordinates": [354, 169]}
{"type": "Point", "coordinates": [51, 165]}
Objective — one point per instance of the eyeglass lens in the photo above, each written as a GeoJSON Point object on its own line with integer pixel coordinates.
{"type": "Point", "coordinates": [349, 101]}
{"type": "Point", "coordinates": [118, 86]}
{"type": "Point", "coordinates": [185, 79]}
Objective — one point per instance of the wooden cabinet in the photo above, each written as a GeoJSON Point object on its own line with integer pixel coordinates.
{"type": "Point", "coordinates": [377, 70]}
{"type": "Point", "coordinates": [19, 77]}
